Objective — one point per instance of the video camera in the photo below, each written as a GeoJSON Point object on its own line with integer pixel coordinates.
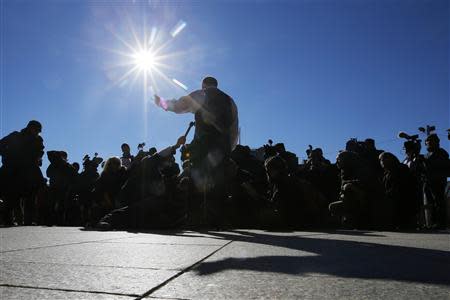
{"type": "Point", "coordinates": [309, 151]}
{"type": "Point", "coordinates": [279, 149]}
{"type": "Point", "coordinates": [412, 144]}
{"type": "Point", "coordinates": [142, 153]}
{"type": "Point", "coordinates": [404, 135]}
{"type": "Point", "coordinates": [141, 146]}
{"type": "Point", "coordinates": [93, 163]}
{"type": "Point", "coordinates": [356, 146]}
{"type": "Point", "coordinates": [428, 130]}
{"type": "Point", "coordinates": [271, 150]}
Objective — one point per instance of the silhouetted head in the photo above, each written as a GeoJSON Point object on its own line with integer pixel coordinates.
{"type": "Point", "coordinates": [352, 145]}
{"type": "Point", "coordinates": [152, 151]}
{"type": "Point", "coordinates": [412, 148]}
{"type": "Point", "coordinates": [276, 168]}
{"type": "Point", "coordinates": [34, 127]}
{"type": "Point", "coordinates": [316, 154]}
{"type": "Point", "coordinates": [388, 161]}
{"type": "Point", "coordinates": [279, 148]}
{"type": "Point", "coordinates": [112, 165]}
{"type": "Point", "coordinates": [370, 144]}
{"type": "Point", "coordinates": [432, 142]}
{"type": "Point", "coordinates": [319, 152]}
{"type": "Point", "coordinates": [64, 155]}
{"type": "Point", "coordinates": [209, 82]}
{"type": "Point", "coordinates": [76, 166]}
{"type": "Point", "coordinates": [125, 148]}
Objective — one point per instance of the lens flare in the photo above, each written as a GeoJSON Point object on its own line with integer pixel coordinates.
{"type": "Point", "coordinates": [153, 36]}
{"type": "Point", "coordinates": [178, 28]}
{"type": "Point", "coordinates": [181, 85]}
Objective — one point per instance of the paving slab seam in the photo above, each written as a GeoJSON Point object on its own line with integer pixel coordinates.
{"type": "Point", "coordinates": [167, 298]}
{"type": "Point", "coordinates": [166, 244]}
{"type": "Point", "coordinates": [64, 290]}
{"type": "Point", "coordinates": [59, 245]}
{"type": "Point", "coordinates": [154, 289]}
{"type": "Point", "coordinates": [83, 265]}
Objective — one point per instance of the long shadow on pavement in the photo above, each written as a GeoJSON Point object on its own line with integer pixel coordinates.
{"type": "Point", "coordinates": [350, 259]}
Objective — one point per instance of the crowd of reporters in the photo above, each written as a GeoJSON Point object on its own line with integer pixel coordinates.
{"type": "Point", "coordinates": [267, 187]}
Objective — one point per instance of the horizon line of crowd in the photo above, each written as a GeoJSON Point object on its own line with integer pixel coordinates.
{"type": "Point", "coordinates": [267, 187]}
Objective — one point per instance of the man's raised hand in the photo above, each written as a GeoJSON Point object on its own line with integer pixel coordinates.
{"type": "Point", "coordinates": [158, 100]}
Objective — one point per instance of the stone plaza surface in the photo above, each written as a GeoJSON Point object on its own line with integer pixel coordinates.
{"type": "Point", "coordinates": [70, 263]}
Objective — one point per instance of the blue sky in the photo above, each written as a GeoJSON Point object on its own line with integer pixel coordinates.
{"type": "Point", "coordinates": [301, 72]}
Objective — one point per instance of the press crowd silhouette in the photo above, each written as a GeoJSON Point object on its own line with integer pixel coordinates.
{"type": "Point", "coordinates": [266, 187]}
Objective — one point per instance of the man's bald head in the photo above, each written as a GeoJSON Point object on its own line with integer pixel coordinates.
{"type": "Point", "coordinates": [209, 82]}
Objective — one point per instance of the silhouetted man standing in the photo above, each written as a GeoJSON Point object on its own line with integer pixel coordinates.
{"type": "Point", "coordinates": [20, 173]}
{"type": "Point", "coordinates": [438, 164]}
{"type": "Point", "coordinates": [216, 119]}
{"type": "Point", "coordinates": [216, 133]}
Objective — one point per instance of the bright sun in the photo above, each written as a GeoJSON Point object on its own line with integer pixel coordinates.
{"type": "Point", "coordinates": [145, 60]}
{"type": "Point", "coordinates": [146, 57]}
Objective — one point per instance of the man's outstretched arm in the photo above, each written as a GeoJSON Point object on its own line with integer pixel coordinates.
{"type": "Point", "coordinates": [183, 105]}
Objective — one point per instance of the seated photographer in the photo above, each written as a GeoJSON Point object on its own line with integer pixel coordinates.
{"type": "Point", "coordinates": [246, 197]}
{"type": "Point", "coordinates": [135, 162]}
{"type": "Point", "coordinates": [151, 193]}
{"type": "Point", "coordinates": [358, 194]}
{"type": "Point", "coordinates": [316, 161]}
{"type": "Point", "coordinates": [107, 188]}
{"type": "Point", "coordinates": [294, 206]}
{"type": "Point", "coordinates": [279, 149]}
{"type": "Point", "coordinates": [246, 161]}
{"type": "Point", "coordinates": [323, 175]}
{"type": "Point", "coordinates": [251, 172]}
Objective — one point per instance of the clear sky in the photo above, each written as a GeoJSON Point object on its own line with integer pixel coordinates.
{"type": "Point", "coordinates": [301, 72]}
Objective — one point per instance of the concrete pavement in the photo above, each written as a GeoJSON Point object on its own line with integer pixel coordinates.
{"type": "Point", "coordinates": [70, 263]}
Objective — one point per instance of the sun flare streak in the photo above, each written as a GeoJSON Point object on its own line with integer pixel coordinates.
{"type": "Point", "coordinates": [178, 28]}
{"type": "Point", "coordinates": [181, 85]}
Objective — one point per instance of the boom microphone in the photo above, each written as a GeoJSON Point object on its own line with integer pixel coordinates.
{"type": "Point", "coordinates": [189, 128]}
